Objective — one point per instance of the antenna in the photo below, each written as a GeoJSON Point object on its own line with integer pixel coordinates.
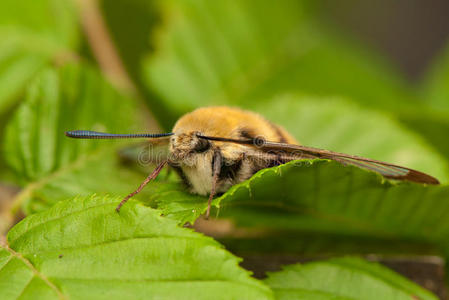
{"type": "Point", "coordinates": [87, 134]}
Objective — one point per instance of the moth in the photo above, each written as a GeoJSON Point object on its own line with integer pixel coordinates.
{"type": "Point", "coordinates": [213, 148]}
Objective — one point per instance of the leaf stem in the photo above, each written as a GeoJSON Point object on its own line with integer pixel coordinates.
{"type": "Point", "coordinates": [106, 54]}
{"type": "Point", "coordinates": [102, 45]}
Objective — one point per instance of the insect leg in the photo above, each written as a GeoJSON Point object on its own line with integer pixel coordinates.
{"type": "Point", "coordinates": [216, 168]}
{"type": "Point", "coordinates": [150, 177]}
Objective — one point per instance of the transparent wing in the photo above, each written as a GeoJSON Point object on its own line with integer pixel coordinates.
{"type": "Point", "coordinates": [287, 152]}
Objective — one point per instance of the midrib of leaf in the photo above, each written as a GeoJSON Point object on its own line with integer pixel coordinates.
{"type": "Point", "coordinates": [28, 190]}
{"type": "Point", "coordinates": [195, 240]}
{"type": "Point", "coordinates": [34, 270]}
{"type": "Point", "coordinates": [43, 277]}
{"type": "Point", "coordinates": [25, 286]}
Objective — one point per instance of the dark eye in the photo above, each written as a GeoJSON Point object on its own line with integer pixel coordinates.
{"type": "Point", "coordinates": [201, 146]}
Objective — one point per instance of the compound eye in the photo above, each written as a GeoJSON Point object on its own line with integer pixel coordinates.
{"type": "Point", "coordinates": [201, 146]}
{"type": "Point", "coordinates": [259, 141]}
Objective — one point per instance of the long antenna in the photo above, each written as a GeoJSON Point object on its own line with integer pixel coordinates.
{"type": "Point", "coordinates": [87, 134]}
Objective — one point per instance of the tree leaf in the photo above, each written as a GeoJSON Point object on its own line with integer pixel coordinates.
{"type": "Point", "coordinates": [435, 87]}
{"type": "Point", "coordinates": [323, 196]}
{"type": "Point", "coordinates": [320, 196]}
{"type": "Point", "coordinates": [434, 123]}
{"type": "Point", "coordinates": [84, 249]}
{"type": "Point", "coordinates": [343, 278]}
{"type": "Point", "coordinates": [33, 33]}
{"type": "Point", "coordinates": [431, 125]}
{"type": "Point", "coordinates": [54, 167]}
{"type": "Point", "coordinates": [245, 51]}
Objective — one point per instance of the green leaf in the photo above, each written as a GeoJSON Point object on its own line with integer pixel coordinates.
{"type": "Point", "coordinates": [84, 249]}
{"type": "Point", "coordinates": [320, 196]}
{"type": "Point", "coordinates": [436, 85]}
{"type": "Point", "coordinates": [245, 51]}
{"type": "Point", "coordinates": [431, 125]}
{"type": "Point", "coordinates": [343, 278]}
{"type": "Point", "coordinates": [33, 33]}
{"type": "Point", "coordinates": [176, 202]}
{"type": "Point", "coordinates": [54, 167]}
{"type": "Point", "coordinates": [324, 196]}
{"type": "Point", "coordinates": [434, 124]}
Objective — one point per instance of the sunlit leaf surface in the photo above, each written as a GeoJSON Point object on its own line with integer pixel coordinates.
{"type": "Point", "coordinates": [84, 249]}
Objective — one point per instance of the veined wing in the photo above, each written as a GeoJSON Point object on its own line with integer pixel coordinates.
{"type": "Point", "coordinates": [287, 152]}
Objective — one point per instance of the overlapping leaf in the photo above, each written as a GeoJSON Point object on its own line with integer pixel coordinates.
{"type": "Point", "coordinates": [343, 278]}
{"type": "Point", "coordinates": [84, 249]}
{"type": "Point", "coordinates": [246, 51]}
{"type": "Point", "coordinates": [434, 124]}
{"type": "Point", "coordinates": [33, 33]}
{"type": "Point", "coordinates": [324, 197]}
{"type": "Point", "coordinates": [54, 167]}
{"type": "Point", "coordinates": [436, 87]}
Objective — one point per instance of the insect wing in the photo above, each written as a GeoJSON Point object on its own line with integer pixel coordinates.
{"type": "Point", "coordinates": [386, 169]}
{"type": "Point", "coordinates": [288, 152]}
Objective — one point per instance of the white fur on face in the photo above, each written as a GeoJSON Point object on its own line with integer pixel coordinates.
{"type": "Point", "coordinates": [197, 167]}
{"type": "Point", "coordinates": [200, 175]}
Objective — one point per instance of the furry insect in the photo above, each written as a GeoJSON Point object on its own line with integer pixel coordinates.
{"type": "Point", "coordinates": [214, 148]}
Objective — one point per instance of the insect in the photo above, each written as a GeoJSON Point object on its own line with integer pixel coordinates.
{"type": "Point", "coordinates": [213, 148]}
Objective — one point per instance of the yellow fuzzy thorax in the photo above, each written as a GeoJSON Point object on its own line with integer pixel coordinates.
{"type": "Point", "coordinates": [223, 121]}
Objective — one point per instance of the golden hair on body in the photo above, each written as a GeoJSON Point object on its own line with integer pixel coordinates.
{"type": "Point", "coordinates": [213, 148]}
{"type": "Point", "coordinates": [220, 121]}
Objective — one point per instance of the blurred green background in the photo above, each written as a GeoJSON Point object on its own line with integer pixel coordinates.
{"type": "Point", "coordinates": [369, 78]}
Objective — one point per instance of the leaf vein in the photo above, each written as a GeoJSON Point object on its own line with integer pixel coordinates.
{"type": "Point", "coordinates": [35, 271]}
